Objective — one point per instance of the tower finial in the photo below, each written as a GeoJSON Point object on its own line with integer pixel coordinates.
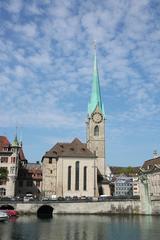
{"type": "Point", "coordinates": [15, 142]}
{"type": "Point", "coordinates": [94, 46]}
{"type": "Point", "coordinates": [16, 130]}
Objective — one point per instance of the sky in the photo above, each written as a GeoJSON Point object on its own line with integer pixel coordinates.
{"type": "Point", "coordinates": [46, 67]}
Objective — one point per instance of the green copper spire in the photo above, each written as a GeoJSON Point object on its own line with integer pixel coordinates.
{"type": "Point", "coordinates": [15, 142]}
{"type": "Point", "coordinates": [95, 100]}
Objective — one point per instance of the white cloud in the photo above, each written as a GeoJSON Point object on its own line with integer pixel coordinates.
{"type": "Point", "coordinates": [49, 56]}
{"type": "Point", "coordinates": [14, 6]}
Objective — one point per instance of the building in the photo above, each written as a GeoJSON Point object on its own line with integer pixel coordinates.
{"type": "Point", "coordinates": [149, 164]}
{"type": "Point", "coordinates": [22, 177]}
{"type": "Point", "coordinates": [76, 168]}
{"type": "Point", "coordinates": [10, 155]}
{"type": "Point", "coordinates": [68, 170]}
{"type": "Point", "coordinates": [123, 186]}
{"type": "Point", "coordinates": [136, 186]}
{"type": "Point", "coordinates": [150, 172]}
{"type": "Point", "coordinates": [129, 172]}
{"type": "Point", "coordinates": [29, 179]}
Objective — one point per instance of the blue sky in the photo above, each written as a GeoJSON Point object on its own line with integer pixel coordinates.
{"type": "Point", "coordinates": [46, 64]}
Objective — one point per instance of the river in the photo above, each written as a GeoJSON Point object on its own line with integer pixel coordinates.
{"type": "Point", "coordinates": [83, 227]}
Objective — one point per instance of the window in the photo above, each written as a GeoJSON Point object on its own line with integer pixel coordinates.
{"type": "Point", "coordinates": [96, 131]}
{"type": "Point", "coordinates": [2, 192]}
{"type": "Point", "coordinates": [12, 170]}
{"type": "Point", "coordinates": [85, 179]}
{"type": "Point", "coordinates": [50, 160]}
{"type": "Point", "coordinates": [13, 159]}
{"type": "Point", "coordinates": [69, 178]}
{"type": "Point", "coordinates": [4, 159]}
{"type": "Point", "coordinates": [77, 176]}
{"type": "Point", "coordinates": [2, 182]}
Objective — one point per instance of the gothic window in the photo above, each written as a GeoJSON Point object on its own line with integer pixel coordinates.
{"type": "Point", "coordinates": [69, 178]}
{"type": "Point", "coordinates": [85, 179]}
{"type": "Point", "coordinates": [96, 131]}
{"type": "Point", "coordinates": [77, 176]}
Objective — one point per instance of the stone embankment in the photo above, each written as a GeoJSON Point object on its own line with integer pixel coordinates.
{"type": "Point", "coordinates": [98, 207]}
{"type": "Point", "coordinates": [124, 206]}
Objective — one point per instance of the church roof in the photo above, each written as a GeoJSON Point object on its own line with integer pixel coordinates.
{"type": "Point", "coordinates": [4, 143]}
{"type": "Point", "coordinates": [95, 100]}
{"type": "Point", "coordinates": [74, 149]}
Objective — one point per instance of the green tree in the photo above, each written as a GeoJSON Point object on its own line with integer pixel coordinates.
{"type": "Point", "coordinates": [3, 173]}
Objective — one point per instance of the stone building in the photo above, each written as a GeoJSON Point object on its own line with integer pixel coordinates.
{"type": "Point", "coordinates": [68, 170]}
{"type": "Point", "coordinates": [10, 155]}
{"type": "Point", "coordinates": [76, 168]}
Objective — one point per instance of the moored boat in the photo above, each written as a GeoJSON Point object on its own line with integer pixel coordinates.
{"type": "Point", "coordinates": [11, 213]}
{"type": "Point", "coordinates": [3, 216]}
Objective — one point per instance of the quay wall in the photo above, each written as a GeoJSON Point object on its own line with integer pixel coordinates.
{"type": "Point", "coordinates": [95, 207]}
{"type": "Point", "coordinates": [101, 207]}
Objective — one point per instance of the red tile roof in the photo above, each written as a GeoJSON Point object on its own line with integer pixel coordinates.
{"type": "Point", "coordinates": [4, 143]}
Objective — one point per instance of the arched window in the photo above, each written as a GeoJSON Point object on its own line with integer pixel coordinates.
{"type": "Point", "coordinates": [85, 178]}
{"type": "Point", "coordinates": [77, 176]}
{"type": "Point", "coordinates": [69, 178]}
{"type": "Point", "coordinates": [96, 131]}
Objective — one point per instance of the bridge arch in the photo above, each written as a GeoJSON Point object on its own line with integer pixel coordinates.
{"type": "Point", "coordinates": [6, 207]}
{"type": "Point", "coordinates": [45, 211]}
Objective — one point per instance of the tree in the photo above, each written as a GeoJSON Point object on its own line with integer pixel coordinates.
{"type": "Point", "coordinates": [3, 173]}
{"type": "Point", "coordinates": [126, 170]}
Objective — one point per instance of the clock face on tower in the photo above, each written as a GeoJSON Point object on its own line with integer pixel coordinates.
{"type": "Point", "coordinates": [97, 117]}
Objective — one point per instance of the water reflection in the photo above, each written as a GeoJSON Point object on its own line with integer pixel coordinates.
{"type": "Point", "coordinates": [82, 228]}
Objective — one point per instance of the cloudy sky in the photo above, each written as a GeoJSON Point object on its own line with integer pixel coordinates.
{"type": "Point", "coordinates": [46, 65]}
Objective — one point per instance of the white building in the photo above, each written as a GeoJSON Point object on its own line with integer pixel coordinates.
{"type": "Point", "coordinates": [123, 186]}
{"type": "Point", "coordinates": [9, 159]}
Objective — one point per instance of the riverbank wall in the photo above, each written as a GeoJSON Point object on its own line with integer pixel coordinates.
{"type": "Point", "coordinates": [98, 207]}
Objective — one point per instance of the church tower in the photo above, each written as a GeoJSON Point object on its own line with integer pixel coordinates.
{"type": "Point", "coordinates": [96, 122]}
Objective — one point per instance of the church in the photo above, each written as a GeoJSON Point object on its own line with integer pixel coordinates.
{"type": "Point", "coordinates": [76, 168]}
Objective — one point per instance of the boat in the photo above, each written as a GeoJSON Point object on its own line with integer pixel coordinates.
{"type": "Point", "coordinates": [11, 213]}
{"type": "Point", "coordinates": [3, 216]}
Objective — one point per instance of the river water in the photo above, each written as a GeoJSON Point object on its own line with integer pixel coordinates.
{"type": "Point", "coordinates": [82, 227]}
